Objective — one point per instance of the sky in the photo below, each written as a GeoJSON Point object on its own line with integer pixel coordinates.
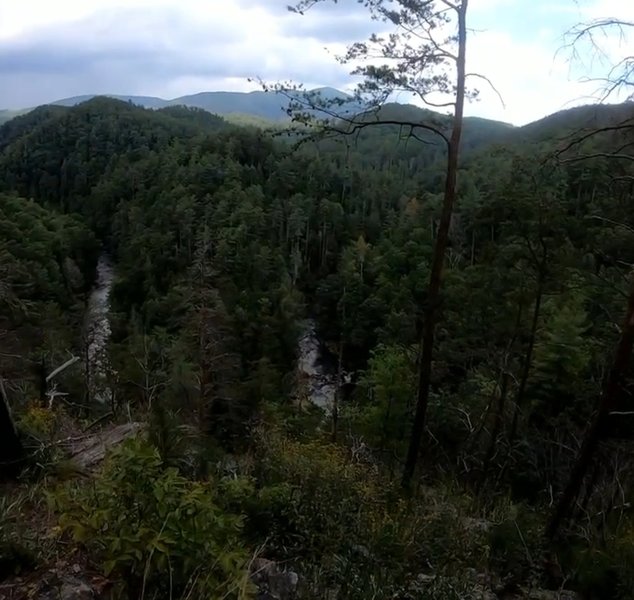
{"type": "Point", "coordinates": [169, 48]}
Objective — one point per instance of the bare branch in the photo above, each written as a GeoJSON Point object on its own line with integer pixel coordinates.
{"type": "Point", "coordinates": [63, 367]}
{"type": "Point", "coordinates": [5, 399]}
{"type": "Point", "coordinates": [598, 155]}
{"type": "Point", "coordinates": [612, 222]}
{"type": "Point", "coordinates": [623, 126]}
{"type": "Point", "coordinates": [485, 78]}
{"type": "Point", "coordinates": [620, 74]}
{"type": "Point", "coordinates": [353, 124]}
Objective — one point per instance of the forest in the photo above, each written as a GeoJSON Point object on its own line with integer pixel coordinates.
{"type": "Point", "coordinates": [492, 459]}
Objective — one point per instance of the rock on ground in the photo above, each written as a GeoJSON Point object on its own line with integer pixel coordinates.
{"type": "Point", "coordinates": [58, 582]}
{"type": "Point", "coordinates": [272, 582]}
{"type": "Point", "coordinates": [91, 451]}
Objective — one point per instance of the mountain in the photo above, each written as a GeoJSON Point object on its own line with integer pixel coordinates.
{"type": "Point", "coordinates": [580, 118]}
{"type": "Point", "coordinates": [7, 115]}
{"type": "Point", "coordinates": [230, 253]}
{"type": "Point", "coordinates": [261, 104]}
{"type": "Point", "coordinates": [264, 109]}
{"type": "Point", "coordinates": [239, 106]}
{"type": "Point", "coordinates": [144, 101]}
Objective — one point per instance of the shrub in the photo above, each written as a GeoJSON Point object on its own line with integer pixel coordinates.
{"type": "Point", "coordinates": [155, 530]}
{"type": "Point", "coordinates": [517, 546]}
{"type": "Point", "coordinates": [605, 569]}
{"type": "Point", "coordinates": [14, 555]}
{"type": "Point", "coordinates": [37, 421]}
{"type": "Point", "coordinates": [311, 499]}
{"type": "Point", "coordinates": [345, 527]}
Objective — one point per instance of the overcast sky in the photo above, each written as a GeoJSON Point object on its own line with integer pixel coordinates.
{"type": "Point", "coordinates": [168, 48]}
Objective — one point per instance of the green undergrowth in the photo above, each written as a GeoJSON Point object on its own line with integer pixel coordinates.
{"type": "Point", "coordinates": [25, 528]}
{"type": "Point", "coordinates": [161, 526]}
{"type": "Point", "coordinates": [155, 531]}
{"type": "Point", "coordinates": [306, 503]}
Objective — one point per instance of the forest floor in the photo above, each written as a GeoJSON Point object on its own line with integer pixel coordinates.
{"type": "Point", "coordinates": [51, 566]}
{"type": "Point", "coordinates": [62, 571]}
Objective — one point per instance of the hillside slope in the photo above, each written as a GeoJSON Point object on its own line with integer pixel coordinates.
{"type": "Point", "coordinates": [225, 245]}
{"type": "Point", "coordinates": [259, 104]}
{"type": "Point", "coordinates": [264, 109]}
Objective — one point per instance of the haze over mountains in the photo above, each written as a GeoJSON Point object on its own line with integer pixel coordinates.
{"type": "Point", "coordinates": [264, 105]}
{"type": "Point", "coordinates": [267, 108]}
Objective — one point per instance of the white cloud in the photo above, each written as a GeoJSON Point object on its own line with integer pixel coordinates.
{"type": "Point", "coordinates": [174, 47]}
{"type": "Point", "coordinates": [534, 74]}
{"type": "Point", "coordinates": [530, 79]}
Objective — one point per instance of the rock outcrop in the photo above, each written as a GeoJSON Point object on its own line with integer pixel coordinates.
{"type": "Point", "coordinates": [91, 451]}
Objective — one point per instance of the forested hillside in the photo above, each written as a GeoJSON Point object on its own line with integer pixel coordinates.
{"type": "Point", "coordinates": [224, 240]}
{"type": "Point", "coordinates": [258, 105]}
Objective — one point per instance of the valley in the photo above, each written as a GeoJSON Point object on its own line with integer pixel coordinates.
{"type": "Point", "coordinates": [257, 351]}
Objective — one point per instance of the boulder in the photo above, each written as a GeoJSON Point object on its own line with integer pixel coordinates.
{"type": "Point", "coordinates": [272, 582]}
{"type": "Point", "coordinates": [75, 589]}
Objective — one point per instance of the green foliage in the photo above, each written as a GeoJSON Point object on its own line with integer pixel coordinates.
{"type": "Point", "coordinates": [45, 266]}
{"type": "Point", "coordinates": [15, 557]}
{"type": "Point", "coordinates": [603, 568]}
{"type": "Point", "coordinates": [344, 526]}
{"type": "Point", "coordinates": [167, 433]}
{"type": "Point", "coordinates": [386, 391]}
{"type": "Point", "coordinates": [517, 546]}
{"type": "Point", "coordinates": [153, 529]}
{"type": "Point", "coordinates": [37, 421]}
{"type": "Point", "coordinates": [306, 485]}
{"type": "Point", "coordinates": [562, 356]}
{"type": "Point", "coordinates": [224, 241]}
{"type": "Point", "coordinates": [43, 258]}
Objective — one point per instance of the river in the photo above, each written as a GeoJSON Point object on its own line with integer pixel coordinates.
{"type": "Point", "coordinates": [316, 369]}
{"type": "Point", "coordinates": [319, 381]}
{"type": "Point", "coordinates": [97, 330]}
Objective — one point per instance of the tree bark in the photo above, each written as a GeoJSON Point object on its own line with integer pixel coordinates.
{"type": "Point", "coordinates": [526, 368]}
{"type": "Point", "coordinates": [497, 428]}
{"type": "Point", "coordinates": [440, 247]}
{"type": "Point", "coordinates": [43, 385]}
{"type": "Point", "coordinates": [337, 397]}
{"type": "Point", "coordinates": [11, 452]}
{"type": "Point", "coordinates": [597, 430]}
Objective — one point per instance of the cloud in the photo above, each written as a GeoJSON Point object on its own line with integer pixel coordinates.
{"type": "Point", "coordinates": [170, 48]}
{"type": "Point", "coordinates": [326, 21]}
{"type": "Point", "coordinates": [132, 50]}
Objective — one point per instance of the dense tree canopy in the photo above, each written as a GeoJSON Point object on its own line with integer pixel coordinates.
{"type": "Point", "coordinates": [225, 238]}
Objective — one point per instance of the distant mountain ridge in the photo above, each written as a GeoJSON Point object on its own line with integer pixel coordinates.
{"type": "Point", "coordinates": [262, 108]}
{"type": "Point", "coordinates": [261, 104]}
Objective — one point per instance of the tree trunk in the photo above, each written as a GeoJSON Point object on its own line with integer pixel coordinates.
{"type": "Point", "coordinates": [497, 427]}
{"type": "Point", "coordinates": [42, 384]}
{"type": "Point", "coordinates": [594, 477]}
{"type": "Point", "coordinates": [440, 247]}
{"type": "Point", "coordinates": [386, 426]}
{"type": "Point", "coordinates": [336, 399]}
{"type": "Point", "coordinates": [10, 446]}
{"type": "Point", "coordinates": [519, 399]}
{"type": "Point", "coordinates": [608, 402]}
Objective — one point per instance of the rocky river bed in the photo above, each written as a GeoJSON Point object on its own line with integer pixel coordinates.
{"type": "Point", "coordinates": [97, 330]}
{"type": "Point", "coordinates": [316, 367]}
